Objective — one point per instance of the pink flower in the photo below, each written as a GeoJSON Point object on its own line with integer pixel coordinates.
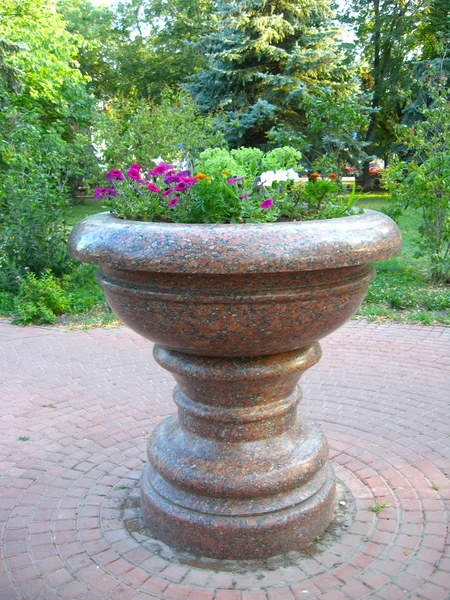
{"type": "Point", "coordinates": [153, 188]}
{"type": "Point", "coordinates": [135, 166]}
{"type": "Point", "coordinates": [185, 183]}
{"type": "Point", "coordinates": [267, 203]}
{"type": "Point", "coordinates": [234, 179]}
{"type": "Point", "coordinates": [160, 169]}
{"type": "Point", "coordinates": [167, 193]}
{"type": "Point", "coordinates": [115, 174]}
{"type": "Point", "coordinates": [99, 192]}
{"type": "Point", "coordinates": [173, 202]}
{"type": "Point", "coordinates": [244, 196]}
{"type": "Point", "coordinates": [134, 173]}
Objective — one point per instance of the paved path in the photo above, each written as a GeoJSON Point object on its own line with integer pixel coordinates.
{"type": "Point", "coordinates": [84, 403]}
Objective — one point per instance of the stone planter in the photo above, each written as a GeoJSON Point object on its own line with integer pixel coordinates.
{"type": "Point", "coordinates": [236, 312]}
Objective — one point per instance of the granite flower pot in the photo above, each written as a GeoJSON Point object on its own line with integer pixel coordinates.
{"type": "Point", "coordinates": [236, 312]}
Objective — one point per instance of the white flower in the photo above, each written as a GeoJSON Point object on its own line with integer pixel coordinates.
{"type": "Point", "coordinates": [291, 174]}
{"type": "Point", "coordinates": [269, 177]}
{"type": "Point", "coordinates": [158, 160]}
{"type": "Point", "coordinates": [281, 175]}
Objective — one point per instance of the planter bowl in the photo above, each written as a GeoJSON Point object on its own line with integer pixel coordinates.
{"type": "Point", "coordinates": [236, 312]}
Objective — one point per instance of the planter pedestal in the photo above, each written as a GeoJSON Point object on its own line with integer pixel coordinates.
{"type": "Point", "coordinates": [236, 312]}
{"type": "Point", "coordinates": [238, 474]}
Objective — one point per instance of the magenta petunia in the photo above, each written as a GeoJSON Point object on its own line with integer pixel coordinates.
{"type": "Point", "coordinates": [99, 192]}
{"type": "Point", "coordinates": [167, 192]}
{"type": "Point", "coordinates": [267, 203]}
{"type": "Point", "coordinates": [135, 166]}
{"type": "Point", "coordinates": [134, 173]}
{"type": "Point", "coordinates": [234, 179]}
{"type": "Point", "coordinates": [184, 173]}
{"type": "Point", "coordinates": [115, 174]}
{"type": "Point", "coordinates": [153, 188]}
{"type": "Point", "coordinates": [160, 169]}
{"type": "Point", "coordinates": [173, 202]}
{"type": "Point", "coordinates": [110, 191]}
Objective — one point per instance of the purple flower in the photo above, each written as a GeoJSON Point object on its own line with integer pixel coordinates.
{"type": "Point", "coordinates": [184, 173]}
{"type": "Point", "coordinates": [267, 203]}
{"type": "Point", "coordinates": [153, 188]}
{"type": "Point", "coordinates": [234, 179]}
{"type": "Point", "coordinates": [160, 169]}
{"type": "Point", "coordinates": [185, 183]}
{"type": "Point", "coordinates": [173, 202]}
{"type": "Point", "coordinates": [169, 179]}
{"type": "Point", "coordinates": [167, 192]}
{"type": "Point", "coordinates": [134, 173]}
{"type": "Point", "coordinates": [244, 196]}
{"type": "Point", "coordinates": [115, 174]}
{"type": "Point", "coordinates": [99, 192]}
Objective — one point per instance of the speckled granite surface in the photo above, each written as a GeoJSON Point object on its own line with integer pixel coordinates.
{"type": "Point", "coordinates": [236, 311]}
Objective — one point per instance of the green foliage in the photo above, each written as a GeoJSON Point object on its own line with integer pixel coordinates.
{"type": "Point", "coordinates": [39, 299]}
{"type": "Point", "coordinates": [45, 143]}
{"type": "Point", "coordinates": [173, 129]}
{"type": "Point", "coordinates": [386, 38]}
{"type": "Point", "coordinates": [81, 289]}
{"type": "Point", "coordinates": [282, 158]}
{"type": "Point", "coordinates": [423, 183]}
{"type": "Point", "coordinates": [377, 508]}
{"type": "Point", "coordinates": [215, 161]}
{"type": "Point", "coordinates": [32, 233]}
{"type": "Point", "coordinates": [158, 52]}
{"type": "Point", "coordinates": [262, 58]}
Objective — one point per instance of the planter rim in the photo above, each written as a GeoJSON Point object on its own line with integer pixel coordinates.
{"type": "Point", "coordinates": [103, 239]}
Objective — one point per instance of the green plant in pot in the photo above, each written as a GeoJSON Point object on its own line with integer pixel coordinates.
{"type": "Point", "coordinates": [235, 282]}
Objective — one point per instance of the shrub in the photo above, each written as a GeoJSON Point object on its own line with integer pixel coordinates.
{"type": "Point", "coordinates": [423, 182]}
{"type": "Point", "coordinates": [173, 129]}
{"type": "Point", "coordinates": [39, 299]}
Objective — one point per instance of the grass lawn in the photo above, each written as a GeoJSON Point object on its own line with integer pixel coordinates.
{"type": "Point", "coordinates": [80, 211]}
{"type": "Point", "coordinates": [401, 290]}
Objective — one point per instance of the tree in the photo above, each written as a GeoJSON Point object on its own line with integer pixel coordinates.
{"type": "Point", "coordinates": [139, 131]}
{"type": "Point", "coordinates": [45, 139]}
{"type": "Point", "coordinates": [434, 29]}
{"type": "Point", "coordinates": [99, 43]}
{"type": "Point", "coordinates": [263, 57]}
{"type": "Point", "coordinates": [154, 48]}
{"type": "Point", "coordinates": [386, 33]}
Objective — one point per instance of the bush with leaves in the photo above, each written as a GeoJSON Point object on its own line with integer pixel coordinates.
{"type": "Point", "coordinates": [39, 299]}
{"type": "Point", "coordinates": [144, 130]}
{"type": "Point", "coordinates": [423, 182]}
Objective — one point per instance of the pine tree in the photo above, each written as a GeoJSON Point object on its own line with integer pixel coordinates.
{"type": "Point", "coordinates": [263, 56]}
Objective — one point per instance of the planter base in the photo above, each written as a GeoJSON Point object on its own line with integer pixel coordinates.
{"type": "Point", "coordinates": [238, 474]}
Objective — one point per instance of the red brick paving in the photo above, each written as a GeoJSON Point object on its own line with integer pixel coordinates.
{"type": "Point", "coordinates": [88, 401]}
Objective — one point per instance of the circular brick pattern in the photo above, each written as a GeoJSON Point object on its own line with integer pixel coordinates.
{"type": "Point", "coordinates": [87, 402]}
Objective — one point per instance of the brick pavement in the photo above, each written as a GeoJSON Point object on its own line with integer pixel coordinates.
{"type": "Point", "coordinates": [84, 403]}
